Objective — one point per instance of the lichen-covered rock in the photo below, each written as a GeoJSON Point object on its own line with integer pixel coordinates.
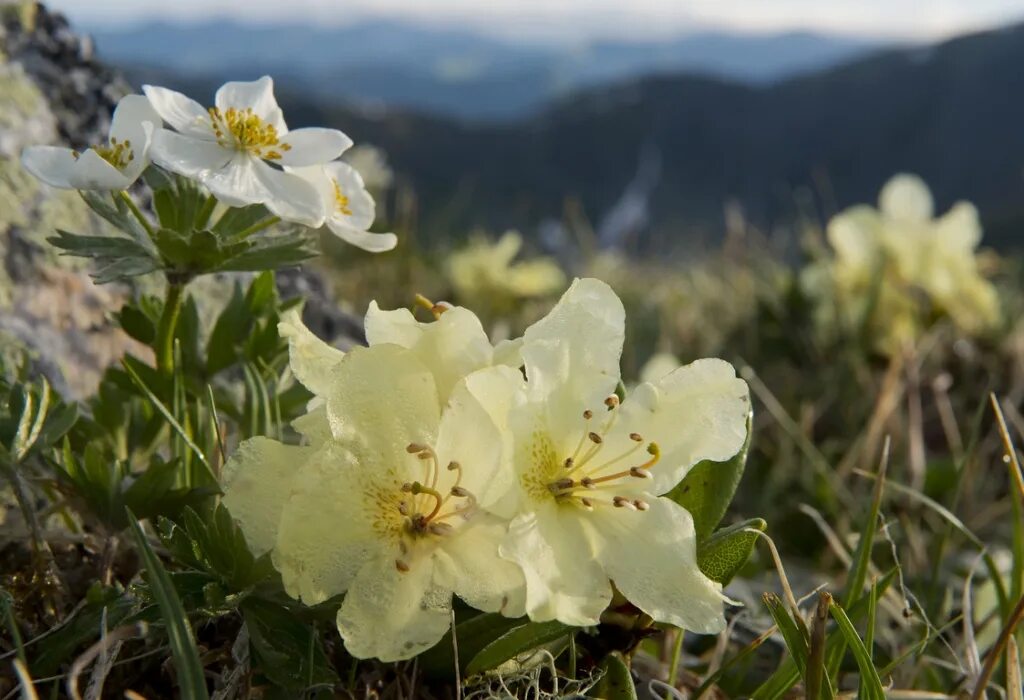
{"type": "Point", "coordinates": [50, 309]}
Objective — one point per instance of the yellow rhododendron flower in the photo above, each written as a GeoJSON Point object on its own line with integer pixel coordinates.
{"type": "Point", "coordinates": [904, 266]}
{"type": "Point", "coordinates": [589, 471]}
{"type": "Point", "coordinates": [386, 502]}
{"type": "Point", "coordinates": [486, 271]}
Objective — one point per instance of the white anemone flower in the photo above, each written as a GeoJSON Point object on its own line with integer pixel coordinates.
{"type": "Point", "coordinates": [590, 470]}
{"type": "Point", "coordinates": [350, 207]}
{"type": "Point", "coordinates": [113, 166]}
{"type": "Point", "coordinates": [239, 147]}
{"type": "Point", "coordinates": [385, 505]}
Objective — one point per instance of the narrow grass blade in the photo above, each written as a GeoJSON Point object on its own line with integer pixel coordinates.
{"type": "Point", "coordinates": [796, 642]}
{"type": "Point", "coordinates": [869, 633]}
{"type": "Point", "coordinates": [817, 680]}
{"type": "Point", "coordinates": [183, 644]}
{"type": "Point", "coordinates": [871, 684]}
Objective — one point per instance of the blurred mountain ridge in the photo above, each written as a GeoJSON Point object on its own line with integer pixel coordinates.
{"type": "Point", "coordinates": [456, 72]}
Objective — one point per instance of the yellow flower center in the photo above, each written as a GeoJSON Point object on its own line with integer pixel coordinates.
{"type": "Point", "coordinates": [340, 200]}
{"type": "Point", "coordinates": [117, 153]}
{"type": "Point", "coordinates": [244, 130]}
{"type": "Point", "coordinates": [588, 478]}
{"type": "Point", "coordinates": [427, 509]}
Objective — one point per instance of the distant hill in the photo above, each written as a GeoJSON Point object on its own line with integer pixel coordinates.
{"type": "Point", "coordinates": [953, 112]}
{"type": "Point", "coordinates": [451, 72]}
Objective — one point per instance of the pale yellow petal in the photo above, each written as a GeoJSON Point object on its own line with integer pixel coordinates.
{"type": "Point", "coordinates": [314, 362]}
{"type": "Point", "coordinates": [256, 481]}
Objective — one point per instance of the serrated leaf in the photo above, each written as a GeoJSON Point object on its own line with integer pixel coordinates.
{"type": "Point", "coordinates": [191, 681]}
{"type": "Point", "coordinates": [286, 650]}
{"type": "Point", "coordinates": [616, 681]}
{"type": "Point", "coordinates": [708, 488]}
{"type": "Point", "coordinates": [238, 219]}
{"type": "Point", "coordinates": [514, 643]}
{"type": "Point", "coordinates": [725, 552]}
{"type": "Point", "coordinates": [97, 246]}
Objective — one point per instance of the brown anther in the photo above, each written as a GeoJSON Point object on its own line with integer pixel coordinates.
{"type": "Point", "coordinates": [595, 438]}
{"type": "Point", "coordinates": [454, 466]}
{"type": "Point", "coordinates": [587, 503]}
{"type": "Point", "coordinates": [415, 447]}
{"type": "Point", "coordinates": [612, 401]}
{"type": "Point", "coordinates": [459, 492]}
{"type": "Point", "coordinates": [622, 502]}
{"type": "Point", "coordinates": [640, 473]}
{"type": "Point", "coordinates": [636, 437]}
{"type": "Point", "coordinates": [587, 483]}
{"type": "Point", "coordinates": [568, 462]}
{"type": "Point", "coordinates": [588, 414]}
{"type": "Point", "coordinates": [563, 484]}
{"type": "Point", "coordinates": [407, 487]}
{"type": "Point", "coordinates": [403, 508]}
{"type": "Point", "coordinates": [426, 454]}
{"type": "Point", "coordinates": [401, 566]}
{"type": "Point", "coordinates": [641, 505]}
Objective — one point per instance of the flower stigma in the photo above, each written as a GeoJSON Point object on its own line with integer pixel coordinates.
{"type": "Point", "coordinates": [244, 130]}
{"type": "Point", "coordinates": [426, 507]}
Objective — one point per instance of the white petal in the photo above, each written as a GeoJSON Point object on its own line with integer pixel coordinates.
{"type": "Point", "coordinates": [186, 155]}
{"type": "Point", "coordinates": [397, 326]}
{"type": "Point", "coordinates": [468, 564]}
{"type": "Point", "coordinates": [695, 413]}
{"type": "Point", "coordinates": [314, 362]}
{"type": "Point", "coordinates": [314, 425]}
{"type": "Point", "coordinates": [392, 615]}
{"type": "Point", "coordinates": [256, 481]}
{"type": "Point", "coordinates": [959, 230]}
{"type": "Point", "coordinates": [326, 532]}
{"type": "Point", "coordinates": [854, 235]}
{"type": "Point", "coordinates": [51, 164]}
{"type": "Point", "coordinates": [312, 146]}
{"type": "Point", "coordinates": [509, 352]}
{"type": "Point", "coordinates": [289, 196]}
{"type": "Point", "coordinates": [659, 365]}
{"type": "Point", "coordinates": [257, 95]}
{"type": "Point", "coordinates": [383, 399]}
{"type": "Point", "coordinates": [577, 346]}
{"type": "Point", "coordinates": [651, 557]}
{"type": "Point", "coordinates": [127, 124]}
{"type": "Point", "coordinates": [906, 198]}
{"type": "Point", "coordinates": [472, 432]}
{"type": "Point", "coordinates": [370, 242]}
{"type": "Point", "coordinates": [361, 209]}
{"type": "Point", "coordinates": [451, 347]}
{"type": "Point", "coordinates": [234, 183]}
{"type": "Point", "coordinates": [564, 581]}
{"type": "Point", "coordinates": [182, 113]}
{"type": "Point", "coordinates": [91, 172]}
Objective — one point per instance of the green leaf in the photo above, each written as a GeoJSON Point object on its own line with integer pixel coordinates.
{"type": "Point", "coordinates": [616, 682]}
{"type": "Point", "coordinates": [472, 635]}
{"type": "Point", "coordinates": [795, 638]}
{"type": "Point", "coordinates": [270, 253]}
{"type": "Point", "coordinates": [871, 684]}
{"type": "Point", "coordinates": [183, 645]}
{"type": "Point", "coordinates": [724, 553]}
{"type": "Point", "coordinates": [286, 650]}
{"type": "Point", "coordinates": [137, 324]}
{"type": "Point", "coordinates": [515, 642]}
{"type": "Point", "coordinates": [708, 488]}
{"type": "Point", "coordinates": [238, 219]}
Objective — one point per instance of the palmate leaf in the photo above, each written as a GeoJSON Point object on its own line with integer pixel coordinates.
{"type": "Point", "coordinates": [270, 253]}
{"type": "Point", "coordinates": [117, 257]}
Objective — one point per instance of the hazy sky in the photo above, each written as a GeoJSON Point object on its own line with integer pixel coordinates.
{"type": "Point", "coordinates": [918, 19]}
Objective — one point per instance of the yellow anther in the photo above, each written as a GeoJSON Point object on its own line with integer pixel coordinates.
{"type": "Point", "coordinates": [340, 200]}
{"type": "Point", "coordinates": [246, 131]}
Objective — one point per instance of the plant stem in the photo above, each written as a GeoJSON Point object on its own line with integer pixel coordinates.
{"type": "Point", "coordinates": [204, 214]}
{"type": "Point", "coordinates": [258, 226]}
{"type": "Point", "coordinates": [126, 198]}
{"type": "Point", "coordinates": [168, 324]}
{"type": "Point", "coordinates": [677, 651]}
